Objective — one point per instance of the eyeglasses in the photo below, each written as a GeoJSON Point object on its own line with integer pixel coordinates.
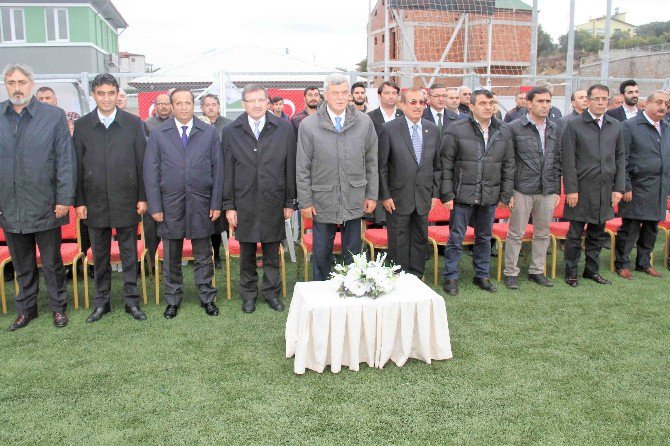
{"type": "Point", "coordinates": [256, 101]}
{"type": "Point", "coordinates": [439, 96]}
{"type": "Point", "coordinates": [415, 101]}
{"type": "Point", "coordinates": [162, 104]}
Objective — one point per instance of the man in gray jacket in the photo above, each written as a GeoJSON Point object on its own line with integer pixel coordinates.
{"type": "Point", "coordinates": [37, 184]}
{"type": "Point", "coordinates": [336, 174]}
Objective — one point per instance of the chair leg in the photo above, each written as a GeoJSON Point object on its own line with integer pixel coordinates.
{"type": "Point", "coordinates": [228, 292]}
{"type": "Point", "coordinates": [157, 278]}
{"type": "Point", "coordinates": [500, 254]}
{"type": "Point", "coordinates": [85, 282]}
{"type": "Point", "coordinates": [75, 284]}
{"type": "Point", "coordinates": [665, 248]}
{"type": "Point", "coordinates": [553, 256]}
{"type": "Point", "coordinates": [143, 272]}
{"type": "Point", "coordinates": [612, 250]}
{"type": "Point", "coordinates": [214, 276]}
{"type": "Point", "coordinates": [282, 265]}
{"type": "Point", "coordinates": [306, 263]}
{"type": "Point", "coordinates": [3, 297]}
{"type": "Point", "coordinates": [434, 243]}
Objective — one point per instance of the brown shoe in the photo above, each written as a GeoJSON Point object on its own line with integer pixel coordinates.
{"type": "Point", "coordinates": [60, 319]}
{"type": "Point", "coordinates": [625, 273]}
{"type": "Point", "coordinates": [651, 271]}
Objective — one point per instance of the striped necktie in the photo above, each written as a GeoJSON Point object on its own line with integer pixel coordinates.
{"type": "Point", "coordinates": [416, 142]}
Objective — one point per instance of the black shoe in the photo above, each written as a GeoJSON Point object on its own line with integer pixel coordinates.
{"type": "Point", "coordinates": [572, 281]}
{"type": "Point", "coordinates": [98, 313]}
{"type": "Point", "coordinates": [136, 313]}
{"type": "Point", "coordinates": [217, 263]}
{"type": "Point", "coordinates": [91, 273]}
{"type": "Point", "coordinates": [597, 278]}
{"type": "Point", "coordinates": [540, 280]}
{"type": "Point", "coordinates": [171, 311]}
{"type": "Point", "coordinates": [485, 284]}
{"type": "Point", "coordinates": [511, 282]}
{"type": "Point", "coordinates": [60, 319]}
{"type": "Point", "coordinates": [275, 303]}
{"type": "Point", "coordinates": [210, 308]}
{"type": "Point", "coordinates": [450, 287]}
{"type": "Point", "coordinates": [23, 320]}
{"type": "Point", "coordinates": [248, 306]}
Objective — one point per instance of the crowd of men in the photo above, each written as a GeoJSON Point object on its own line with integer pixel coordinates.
{"type": "Point", "coordinates": [335, 162]}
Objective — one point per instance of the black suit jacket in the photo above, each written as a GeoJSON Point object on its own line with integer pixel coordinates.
{"type": "Point", "coordinates": [448, 118]}
{"type": "Point", "coordinates": [412, 185]}
{"type": "Point", "coordinates": [378, 118]}
{"type": "Point", "coordinates": [618, 113]}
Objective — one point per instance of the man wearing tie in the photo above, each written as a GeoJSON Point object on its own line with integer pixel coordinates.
{"type": "Point", "coordinates": [259, 192]}
{"type": "Point", "coordinates": [438, 113]}
{"type": "Point", "coordinates": [183, 178]}
{"type": "Point", "coordinates": [593, 164]}
{"type": "Point", "coordinates": [647, 143]}
{"type": "Point", "coordinates": [409, 178]}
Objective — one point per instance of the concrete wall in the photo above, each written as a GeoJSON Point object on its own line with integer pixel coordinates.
{"type": "Point", "coordinates": [648, 66]}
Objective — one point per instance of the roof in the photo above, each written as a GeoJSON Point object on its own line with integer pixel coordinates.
{"type": "Point", "coordinates": [127, 54]}
{"type": "Point", "coordinates": [264, 65]}
{"type": "Point", "coordinates": [104, 7]}
{"type": "Point", "coordinates": [478, 6]}
{"type": "Point", "coordinates": [613, 20]}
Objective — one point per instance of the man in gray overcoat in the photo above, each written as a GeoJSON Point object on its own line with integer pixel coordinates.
{"type": "Point", "coordinates": [337, 173]}
{"type": "Point", "coordinates": [183, 178]}
{"type": "Point", "coordinates": [259, 192]}
{"type": "Point", "coordinates": [647, 143]}
{"type": "Point", "coordinates": [593, 165]}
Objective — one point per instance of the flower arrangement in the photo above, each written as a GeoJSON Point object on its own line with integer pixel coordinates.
{"type": "Point", "coordinates": [362, 278]}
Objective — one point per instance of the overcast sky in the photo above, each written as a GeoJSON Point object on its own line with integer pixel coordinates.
{"type": "Point", "coordinates": [332, 34]}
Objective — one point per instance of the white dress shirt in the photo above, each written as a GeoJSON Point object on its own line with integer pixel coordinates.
{"type": "Point", "coordinates": [333, 116]}
{"type": "Point", "coordinates": [260, 125]}
{"type": "Point", "coordinates": [391, 117]}
{"type": "Point", "coordinates": [657, 125]}
{"type": "Point", "coordinates": [435, 112]}
{"type": "Point", "coordinates": [107, 120]}
{"type": "Point", "coordinates": [189, 126]}
{"type": "Point", "coordinates": [600, 119]}
{"type": "Point", "coordinates": [630, 112]}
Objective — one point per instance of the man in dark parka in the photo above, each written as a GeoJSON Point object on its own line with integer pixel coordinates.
{"type": "Point", "coordinates": [183, 177]}
{"type": "Point", "coordinates": [110, 146]}
{"type": "Point", "coordinates": [647, 142]}
{"type": "Point", "coordinates": [593, 165]}
{"type": "Point", "coordinates": [259, 192]}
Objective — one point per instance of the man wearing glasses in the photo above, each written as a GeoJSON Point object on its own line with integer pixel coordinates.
{"type": "Point", "coordinates": [438, 112]}
{"type": "Point", "coordinates": [408, 180]}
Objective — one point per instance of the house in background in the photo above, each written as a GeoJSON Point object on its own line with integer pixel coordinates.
{"type": "Point", "coordinates": [62, 36]}
{"type": "Point", "coordinates": [619, 26]}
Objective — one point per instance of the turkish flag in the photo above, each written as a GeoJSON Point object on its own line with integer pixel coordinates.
{"type": "Point", "coordinates": [294, 99]}
{"type": "Point", "coordinates": [145, 103]}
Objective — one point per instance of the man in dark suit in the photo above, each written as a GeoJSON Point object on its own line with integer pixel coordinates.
{"type": "Point", "coordinates": [593, 165]}
{"type": "Point", "coordinates": [259, 192]}
{"type": "Point", "coordinates": [464, 95]}
{"type": "Point", "coordinates": [631, 95]}
{"type": "Point", "coordinates": [37, 185]}
{"type": "Point", "coordinates": [579, 103]}
{"type": "Point", "coordinates": [409, 177]}
{"type": "Point", "coordinates": [519, 110]}
{"type": "Point", "coordinates": [387, 111]}
{"type": "Point", "coordinates": [110, 146]}
{"type": "Point", "coordinates": [647, 142]}
{"type": "Point", "coordinates": [437, 112]}
{"type": "Point", "coordinates": [183, 178]}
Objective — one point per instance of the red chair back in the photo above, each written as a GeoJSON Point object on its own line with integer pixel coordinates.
{"type": "Point", "coordinates": [502, 213]}
{"type": "Point", "coordinates": [558, 210]}
{"type": "Point", "coordinates": [439, 214]}
{"type": "Point", "coordinates": [69, 231]}
{"type": "Point", "coordinates": [2, 236]}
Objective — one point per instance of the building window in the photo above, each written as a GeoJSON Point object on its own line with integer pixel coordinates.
{"type": "Point", "coordinates": [12, 25]}
{"type": "Point", "coordinates": [58, 29]}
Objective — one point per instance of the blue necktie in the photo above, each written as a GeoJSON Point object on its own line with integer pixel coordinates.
{"type": "Point", "coordinates": [338, 123]}
{"type": "Point", "coordinates": [184, 137]}
{"type": "Point", "coordinates": [416, 142]}
{"type": "Point", "coordinates": [257, 131]}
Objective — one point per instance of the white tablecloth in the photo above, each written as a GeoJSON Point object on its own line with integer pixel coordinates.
{"type": "Point", "coordinates": [325, 329]}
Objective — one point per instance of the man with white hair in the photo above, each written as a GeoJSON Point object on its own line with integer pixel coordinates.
{"type": "Point", "coordinates": [37, 188]}
{"type": "Point", "coordinates": [464, 93]}
{"type": "Point", "coordinates": [336, 174]}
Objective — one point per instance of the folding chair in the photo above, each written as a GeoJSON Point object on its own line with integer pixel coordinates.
{"type": "Point", "coordinates": [499, 233]}
{"type": "Point", "coordinates": [5, 258]}
{"type": "Point", "coordinates": [307, 243]}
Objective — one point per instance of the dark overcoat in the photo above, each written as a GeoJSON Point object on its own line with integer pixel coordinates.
{"type": "Point", "coordinates": [109, 169]}
{"type": "Point", "coordinates": [594, 165]}
{"type": "Point", "coordinates": [184, 183]}
{"type": "Point", "coordinates": [37, 167]}
{"type": "Point", "coordinates": [647, 168]}
{"type": "Point", "coordinates": [259, 177]}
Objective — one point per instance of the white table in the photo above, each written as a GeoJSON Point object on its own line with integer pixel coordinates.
{"type": "Point", "coordinates": [325, 329]}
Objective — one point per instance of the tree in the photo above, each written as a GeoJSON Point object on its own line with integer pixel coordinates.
{"type": "Point", "coordinates": [584, 42]}
{"type": "Point", "coordinates": [656, 29]}
{"type": "Point", "coordinates": [362, 65]}
{"type": "Point", "coordinates": [545, 44]}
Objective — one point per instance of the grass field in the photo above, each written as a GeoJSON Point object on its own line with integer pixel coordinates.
{"type": "Point", "coordinates": [539, 366]}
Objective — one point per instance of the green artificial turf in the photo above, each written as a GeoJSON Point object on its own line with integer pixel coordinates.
{"type": "Point", "coordinates": [538, 366]}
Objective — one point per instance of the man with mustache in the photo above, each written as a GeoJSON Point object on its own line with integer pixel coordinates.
{"type": "Point", "coordinates": [312, 101]}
